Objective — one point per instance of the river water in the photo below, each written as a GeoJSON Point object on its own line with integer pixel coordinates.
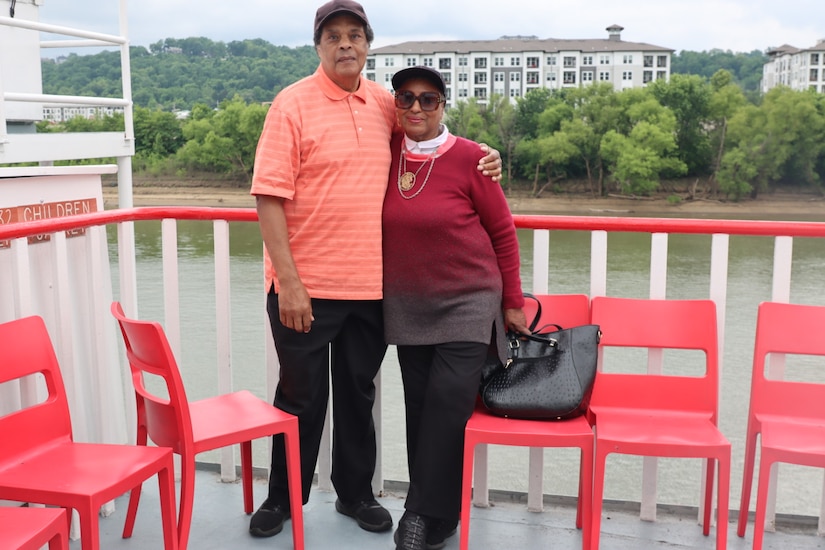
{"type": "Point", "coordinates": [750, 268]}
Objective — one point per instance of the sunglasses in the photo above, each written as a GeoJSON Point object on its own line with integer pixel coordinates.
{"type": "Point", "coordinates": [428, 100]}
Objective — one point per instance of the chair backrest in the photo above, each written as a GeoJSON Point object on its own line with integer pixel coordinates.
{"type": "Point", "coordinates": [658, 324]}
{"type": "Point", "coordinates": [792, 329]}
{"type": "Point", "coordinates": [166, 419]}
{"type": "Point", "coordinates": [26, 350]}
{"type": "Point", "coordinates": [565, 310]}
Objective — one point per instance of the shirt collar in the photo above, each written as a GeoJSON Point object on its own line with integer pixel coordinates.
{"type": "Point", "coordinates": [428, 146]}
{"type": "Point", "coordinates": [335, 92]}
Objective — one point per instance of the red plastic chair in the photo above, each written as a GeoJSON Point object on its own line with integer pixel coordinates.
{"type": "Point", "coordinates": [567, 311]}
{"type": "Point", "coordinates": [660, 415]}
{"type": "Point", "coordinates": [40, 462]}
{"type": "Point", "coordinates": [32, 528]}
{"type": "Point", "coordinates": [193, 427]}
{"type": "Point", "coordinates": [789, 415]}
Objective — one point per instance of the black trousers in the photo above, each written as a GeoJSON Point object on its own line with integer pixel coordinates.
{"type": "Point", "coordinates": [351, 333]}
{"type": "Point", "coordinates": [440, 388]}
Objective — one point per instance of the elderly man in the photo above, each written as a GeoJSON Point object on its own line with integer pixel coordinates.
{"type": "Point", "coordinates": [320, 177]}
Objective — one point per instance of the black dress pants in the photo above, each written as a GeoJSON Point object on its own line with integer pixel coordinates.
{"type": "Point", "coordinates": [440, 388]}
{"type": "Point", "coordinates": [347, 338]}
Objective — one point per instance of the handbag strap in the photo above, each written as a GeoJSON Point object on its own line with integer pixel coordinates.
{"type": "Point", "coordinates": [535, 320]}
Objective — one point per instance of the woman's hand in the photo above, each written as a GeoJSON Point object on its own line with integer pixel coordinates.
{"type": "Point", "coordinates": [490, 164]}
{"type": "Point", "coordinates": [515, 320]}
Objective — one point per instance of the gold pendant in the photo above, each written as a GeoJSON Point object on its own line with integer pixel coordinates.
{"type": "Point", "coordinates": [407, 181]}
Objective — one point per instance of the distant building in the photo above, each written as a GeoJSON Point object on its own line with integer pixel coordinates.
{"type": "Point", "coordinates": [795, 68]}
{"type": "Point", "coordinates": [62, 114]}
{"type": "Point", "coordinates": [513, 65]}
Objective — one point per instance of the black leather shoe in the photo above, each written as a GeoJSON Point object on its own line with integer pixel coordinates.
{"type": "Point", "coordinates": [269, 520]}
{"type": "Point", "coordinates": [411, 533]}
{"type": "Point", "coordinates": [438, 530]}
{"type": "Point", "coordinates": [370, 515]}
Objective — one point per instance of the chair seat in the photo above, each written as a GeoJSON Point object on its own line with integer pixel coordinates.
{"type": "Point", "coordinates": [32, 528]}
{"type": "Point", "coordinates": [796, 438]}
{"type": "Point", "coordinates": [540, 433]}
{"type": "Point", "coordinates": [78, 469]}
{"type": "Point", "coordinates": [213, 424]}
{"type": "Point", "coordinates": [627, 430]}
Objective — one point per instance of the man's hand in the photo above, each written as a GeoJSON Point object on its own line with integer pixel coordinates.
{"type": "Point", "coordinates": [490, 164]}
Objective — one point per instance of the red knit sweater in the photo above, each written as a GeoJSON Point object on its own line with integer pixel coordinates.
{"type": "Point", "coordinates": [451, 258]}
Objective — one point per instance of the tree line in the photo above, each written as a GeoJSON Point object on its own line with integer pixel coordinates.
{"type": "Point", "coordinates": [717, 129]}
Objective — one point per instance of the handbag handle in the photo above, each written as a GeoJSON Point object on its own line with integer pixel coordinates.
{"type": "Point", "coordinates": [535, 320]}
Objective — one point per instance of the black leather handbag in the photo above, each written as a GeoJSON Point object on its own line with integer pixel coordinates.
{"type": "Point", "coordinates": [547, 375]}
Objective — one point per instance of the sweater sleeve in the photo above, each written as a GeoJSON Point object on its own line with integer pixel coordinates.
{"type": "Point", "coordinates": [494, 212]}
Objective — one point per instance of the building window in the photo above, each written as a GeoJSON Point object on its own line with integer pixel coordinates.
{"type": "Point", "coordinates": [551, 59]}
{"type": "Point", "coordinates": [515, 77]}
{"type": "Point", "coordinates": [480, 78]}
{"type": "Point", "coordinates": [569, 77]}
{"type": "Point", "coordinates": [532, 62]}
{"type": "Point", "coordinates": [428, 61]}
{"type": "Point", "coordinates": [371, 76]}
{"type": "Point", "coordinates": [462, 61]}
{"type": "Point", "coordinates": [388, 77]}
{"type": "Point", "coordinates": [814, 59]}
{"type": "Point", "coordinates": [569, 61]}
{"type": "Point", "coordinates": [449, 94]}
{"type": "Point", "coordinates": [648, 61]}
{"type": "Point", "coordinates": [661, 61]}
{"type": "Point", "coordinates": [445, 63]}
{"type": "Point", "coordinates": [389, 62]}
{"type": "Point", "coordinates": [627, 59]}
{"type": "Point", "coordinates": [412, 61]}
{"type": "Point", "coordinates": [604, 76]}
{"type": "Point", "coordinates": [370, 64]}
{"type": "Point", "coordinates": [814, 75]}
{"type": "Point", "coordinates": [515, 61]}
{"type": "Point", "coordinates": [587, 76]}
{"type": "Point", "coordinates": [481, 62]}
{"type": "Point", "coordinates": [647, 76]}
{"type": "Point", "coordinates": [462, 92]}
{"type": "Point", "coordinates": [604, 60]}
{"type": "Point", "coordinates": [515, 92]}
{"type": "Point", "coordinates": [627, 75]}
{"type": "Point", "coordinates": [448, 78]}
{"type": "Point", "coordinates": [498, 61]}
{"type": "Point", "coordinates": [661, 75]}
{"type": "Point", "coordinates": [498, 77]}
{"type": "Point", "coordinates": [499, 90]}
{"type": "Point", "coordinates": [532, 78]}
{"type": "Point", "coordinates": [551, 77]}
{"type": "Point", "coordinates": [462, 77]}
{"type": "Point", "coordinates": [480, 93]}
{"type": "Point", "coordinates": [587, 60]}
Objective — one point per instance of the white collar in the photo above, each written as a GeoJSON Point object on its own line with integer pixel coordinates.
{"type": "Point", "coordinates": [428, 146]}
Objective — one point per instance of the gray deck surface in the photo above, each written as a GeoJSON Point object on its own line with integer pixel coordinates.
{"type": "Point", "coordinates": [220, 523]}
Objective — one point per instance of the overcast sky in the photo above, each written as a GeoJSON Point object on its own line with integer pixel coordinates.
{"type": "Point", "coordinates": [736, 25]}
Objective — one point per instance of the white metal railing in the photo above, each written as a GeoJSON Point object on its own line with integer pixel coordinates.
{"type": "Point", "coordinates": [782, 233]}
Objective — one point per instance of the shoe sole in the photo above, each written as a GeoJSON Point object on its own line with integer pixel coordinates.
{"type": "Point", "coordinates": [372, 527]}
{"type": "Point", "coordinates": [261, 533]}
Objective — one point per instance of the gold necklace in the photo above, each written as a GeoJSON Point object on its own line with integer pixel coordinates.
{"type": "Point", "coordinates": [406, 180]}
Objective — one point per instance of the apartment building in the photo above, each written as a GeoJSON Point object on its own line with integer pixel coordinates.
{"type": "Point", "coordinates": [513, 65]}
{"type": "Point", "coordinates": [798, 69]}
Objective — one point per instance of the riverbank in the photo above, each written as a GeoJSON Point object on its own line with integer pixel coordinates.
{"type": "Point", "coordinates": [773, 206]}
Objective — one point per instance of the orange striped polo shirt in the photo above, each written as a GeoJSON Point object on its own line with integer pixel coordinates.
{"type": "Point", "coordinates": [327, 151]}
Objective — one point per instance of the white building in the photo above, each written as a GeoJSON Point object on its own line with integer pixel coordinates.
{"type": "Point", "coordinates": [795, 68]}
{"type": "Point", "coordinates": [513, 65]}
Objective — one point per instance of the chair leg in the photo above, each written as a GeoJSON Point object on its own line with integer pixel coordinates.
{"type": "Point", "coordinates": [466, 491]}
{"type": "Point", "coordinates": [187, 499]}
{"type": "Point", "coordinates": [246, 475]}
{"type": "Point", "coordinates": [599, 462]}
{"type": "Point", "coordinates": [710, 465]}
{"type": "Point", "coordinates": [89, 527]}
{"type": "Point", "coordinates": [747, 483]}
{"type": "Point", "coordinates": [762, 487]}
{"type": "Point", "coordinates": [723, 495]}
{"type": "Point", "coordinates": [131, 511]}
{"type": "Point", "coordinates": [293, 468]}
{"type": "Point", "coordinates": [586, 495]}
{"type": "Point", "coordinates": [168, 510]}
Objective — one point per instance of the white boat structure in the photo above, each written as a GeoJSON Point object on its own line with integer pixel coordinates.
{"type": "Point", "coordinates": [54, 262]}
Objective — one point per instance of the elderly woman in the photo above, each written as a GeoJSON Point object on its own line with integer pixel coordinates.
{"type": "Point", "coordinates": [451, 288]}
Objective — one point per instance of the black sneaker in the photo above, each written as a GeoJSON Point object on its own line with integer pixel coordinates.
{"type": "Point", "coordinates": [370, 515]}
{"type": "Point", "coordinates": [411, 533]}
{"type": "Point", "coordinates": [438, 530]}
{"type": "Point", "coordinates": [269, 520]}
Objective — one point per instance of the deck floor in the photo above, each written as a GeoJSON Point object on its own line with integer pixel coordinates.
{"type": "Point", "coordinates": [220, 524]}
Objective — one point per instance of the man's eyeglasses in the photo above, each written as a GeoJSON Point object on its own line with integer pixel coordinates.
{"type": "Point", "coordinates": [428, 100]}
